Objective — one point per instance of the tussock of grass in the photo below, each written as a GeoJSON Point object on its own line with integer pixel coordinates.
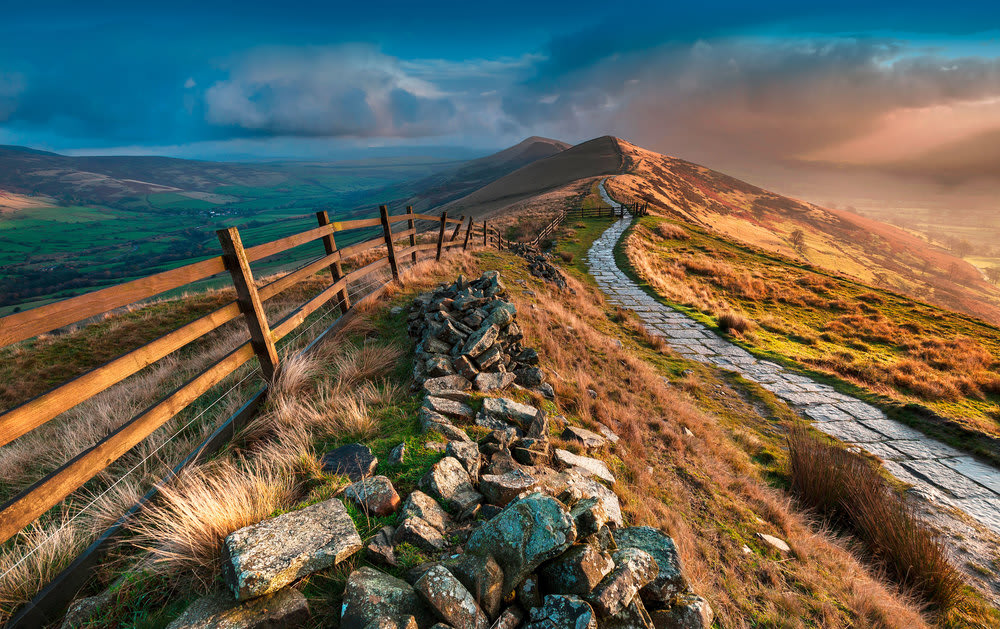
{"type": "Point", "coordinates": [847, 489]}
{"type": "Point", "coordinates": [734, 322]}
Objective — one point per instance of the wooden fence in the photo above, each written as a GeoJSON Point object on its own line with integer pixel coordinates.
{"type": "Point", "coordinates": [236, 259]}
{"type": "Point", "coordinates": [493, 237]}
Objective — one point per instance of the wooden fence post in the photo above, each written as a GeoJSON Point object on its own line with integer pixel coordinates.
{"type": "Point", "coordinates": [249, 301]}
{"type": "Point", "coordinates": [336, 270]}
{"type": "Point", "coordinates": [413, 236]}
{"type": "Point", "coordinates": [387, 230]}
{"type": "Point", "coordinates": [444, 221]}
{"type": "Point", "coordinates": [468, 232]}
{"type": "Point", "coordinates": [485, 232]}
{"type": "Point", "coordinates": [458, 228]}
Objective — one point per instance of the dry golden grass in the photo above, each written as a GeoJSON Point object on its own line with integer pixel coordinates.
{"type": "Point", "coordinates": [734, 322]}
{"type": "Point", "coordinates": [703, 489]}
{"type": "Point", "coordinates": [184, 531]}
{"type": "Point", "coordinates": [672, 232]}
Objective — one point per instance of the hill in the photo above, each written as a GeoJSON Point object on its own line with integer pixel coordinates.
{"type": "Point", "coordinates": [835, 240]}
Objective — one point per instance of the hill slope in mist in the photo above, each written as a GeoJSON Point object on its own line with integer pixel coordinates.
{"type": "Point", "coordinates": [835, 240]}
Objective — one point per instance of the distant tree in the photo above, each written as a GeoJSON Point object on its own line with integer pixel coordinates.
{"type": "Point", "coordinates": [962, 248]}
{"type": "Point", "coordinates": [798, 240]}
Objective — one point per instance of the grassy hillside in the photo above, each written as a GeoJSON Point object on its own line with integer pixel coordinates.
{"type": "Point", "coordinates": [836, 240]}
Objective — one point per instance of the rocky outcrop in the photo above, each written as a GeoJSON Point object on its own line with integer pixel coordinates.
{"type": "Point", "coordinates": [286, 608]}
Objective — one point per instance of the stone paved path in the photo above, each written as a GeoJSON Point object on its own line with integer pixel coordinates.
{"type": "Point", "coordinates": [938, 471]}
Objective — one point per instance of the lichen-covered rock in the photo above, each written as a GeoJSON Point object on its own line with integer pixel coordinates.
{"type": "Point", "coordinates": [431, 421]}
{"type": "Point", "coordinates": [576, 571]}
{"type": "Point", "coordinates": [447, 407]}
{"type": "Point", "coordinates": [632, 616]}
{"type": "Point", "coordinates": [446, 383]}
{"type": "Point", "coordinates": [468, 453]}
{"type": "Point", "coordinates": [669, 580]}
{"type": "Point", "coordinates": [528, 593]}
{"type": "Point", "coordinates": [529, 532]}
{"type": "Point", "coordinates": [556, 483]}
{"type": "Point", "coordinates": [494, 381]}
{"type": "Point", "coordinates": [419, 533]}
{"type": "Point", "coordinates": [511, 618]}
{"type": "Point", "coordinates": [586, 438]}
{"type": "Point", "coordinates": [398, 455]}
{"type": "Point", "coordinates": [449, 482]}
{"type": "Point", "coordinates": [450, 600]}
{"type": "Point", "coordinates": [633, 569]}
{"type": "Point", "coordinates": [371, 596]}
{"type": "Point", "coordinates": [467, 370]}
{"type": "Point", "coordinates": [354, 460]}
{"type": "Point", "coordinates": [589, 516]}
{"type": "Point", "coordinates": [375, 495]}
{"type": "Point", "coordinates": [500, 489]}
{"type": "Point", "coordinates": [284, 608]}
{"type": "Point", "coordinates": [586, 465]}
{"type": "Point", "coordinates": [265, 557]}
{"type": "Point", "coordinates": [507, 412]}
{"type": "Point", "coordinates": [561, 611]}
{"type": "Point", "coordinates": [529, 376]}
{"type": "Point", "coordinates": [481, 340]}
{"type": "Point", "coordinates": [420, 505]}
{"type": "Point", "coordinates": [688, 611]}
{"type": "Point", "coordinates": [531, 452]}
{"type": "Point", "coordinates": [482, 576]}
{"type": "Point", "coordinates": [380, 548]}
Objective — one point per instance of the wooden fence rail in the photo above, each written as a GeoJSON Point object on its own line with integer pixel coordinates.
{"type": "Point", "coordinates": [49, 491]}
{"type": "Point", "coordinates": [492, 236]}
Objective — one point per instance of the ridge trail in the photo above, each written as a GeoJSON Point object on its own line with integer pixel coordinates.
{"type": "Point", "coordinates": [937, 471]}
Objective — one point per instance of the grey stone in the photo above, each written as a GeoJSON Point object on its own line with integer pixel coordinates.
{"type": "Point", "coordinates": [398, 455]}
{"type": "Point", "coordinates": [511, 618]}
{"type": "Point", "coordinates": [688, 611]}
{"type": "Point", "coordinates": [354, 460]}
{"type": "Point", "coordinates": [380, 548]}
{"type": "Point", "coordinates": [529, 376]}
{"type": "Point", "coordinates": [585, 465]}
{"type": "Point", "coordinates": [481, 340]}
{"type": "Point", "coordinates": [482, 576]}
{"type": "Point", "coordinates": [577, 571]}
{"type": "Point", "coordinates": [371, 595]}
{"type": "Point", "coordinates": [632, 616]}
{"type": "Point", "coordinates": [528, 532]}
{"type": "Point", "coordinates": [450, 600]}
{"type": "Point", "coordinates": [494, 381]}
{"type": "Point", "coordinates": [586, 438]}
{"type": "Point", "coordinates": [560, 611]}
{"type": "Point", "coordinates": [669, 580]}
{"type": "Point", "coordinates": [284, 608]}
{"type": "Point", "coordinates": [419, 533]}
{"type": "Point", "coordinates": [466, 369]}
{"type": "Point", "coordinates": [446, 383]}
{"type": "Point", "coordinates": [528, 593]}
{"type": "Point", "coordinates": [448, 407]}
{"type": "Point", "coordinates": [609, 434]}
{"type": "Point", "coordinates": [500, 489]}
{"type": "Point", "coordinates": [438, 366]}
{"type": "Point", "coordinates": [589, 516]}
{"type": "Point", "coordinates": [508, 412]}
{"type": "Point", "coordinates": [375, 495]}
{"type": "Point", "coordinates": [775, 542]}
{"type": "Point", "coordinates": [468, 453]}
{"type": "Point", "coordinates": [264, 557]}
{"type": "Point", "coordinates": [420, 505]}
{"type": "Point", "coordinates": [449, 482]}
{"type": "Point", "coordinates": [435, 422]}
{"type": "Point", "coordinates": [490, 357]}
{"type": "Point", "coordinates": [633, 569]}
{"type": "Point", "coordinates": [555, 483]}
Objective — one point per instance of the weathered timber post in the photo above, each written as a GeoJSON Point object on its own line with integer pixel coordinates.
{"type": "Point", "coordinates": [413, 236]}
{"type": "Point", "coordinates": [468, 232]}
{"type": "Point", "coordinates": [390, 247]}
{"type": "Point", "coordinates": [485, 232]}
{"type": "Point", "coordinates": [249, 301]}
{"type": "Point", "coordinates": [336, 270]}
{"type": "Point", "coordinates": [458, 228]}
{"type": "Point", "coordinates": [444, 221]}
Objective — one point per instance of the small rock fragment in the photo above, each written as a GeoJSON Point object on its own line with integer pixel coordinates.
{"type": "Point", "coordinates": [375, 495]}
{"type": "Point", "coordinates": [450, 600]}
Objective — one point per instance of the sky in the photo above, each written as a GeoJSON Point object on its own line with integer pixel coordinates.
{"type": "Point", "coordinates": [885, 86]}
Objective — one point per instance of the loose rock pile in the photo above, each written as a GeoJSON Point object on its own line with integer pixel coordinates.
{"type": "Point", "coordinates": [518, 532]}
{"type": "Point", "coordinates": [540, 264]}
{"type": "Point", "coordinates": [467, 330]}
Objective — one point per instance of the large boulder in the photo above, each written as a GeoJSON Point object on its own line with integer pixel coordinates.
{"type": "Point", "coordinates": [506, 412]}
{"type": "Point", "coordinates": [669, 580]}
{"type": "Point", "coordinates": [371, 596]}
{"type": "Point", "coordinates": [448, 407]}
{"type": "Point", "coordinates": [562, 611]}
{"type": "Point", "coordinates": [265, 557]}
{"type": "Point", "coordinates": [449, 482]}
{"type": "Point", "coordinates": [482, 576]}
{"type": "Point", "coordinates": [494, 381]}
{"type": "Point", "coordinates": [450, 600]}
{"type": "Point", "coordinates": [443, 384]}
{"type": "Point", "coordinates": [633, 569]}
{"type": "Point", "coordinates": [286, 608]}
{"type": "Point", "coordinates": [500, 489]}
{"type": "Point", "coordinates": [557, 483]}
{"type": "Point", "coordinates": [529, 532]}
